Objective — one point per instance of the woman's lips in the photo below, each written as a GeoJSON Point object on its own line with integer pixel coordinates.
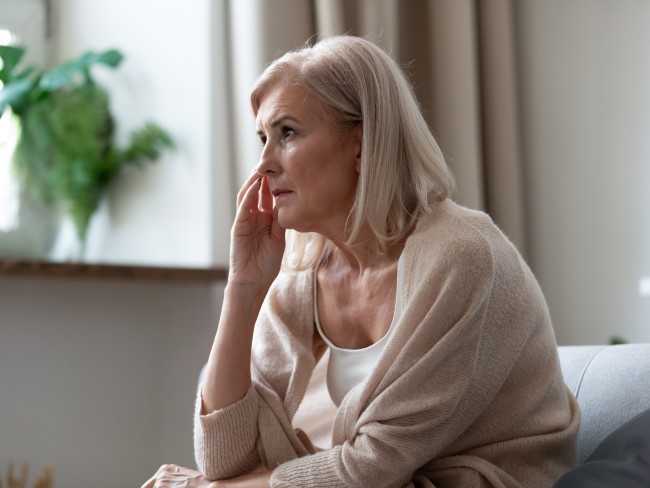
{"type": "Point", "coordinates": [281, 192]}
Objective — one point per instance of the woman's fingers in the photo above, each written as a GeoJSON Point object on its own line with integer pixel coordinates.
{"type": "Point", "coordinates": [150, 483]}
{"type": "Point", "coordinates": [257, 196]}
{"type": "Point", "coordinates": [249, 200]}
{"type": "Point", "coordinates": [172, 476]}
{"type": "Point", "coordinates": [251, 179]}
{"type": "Point", "coordinates": [266, 197]}
{"type": "Point", "coordinates": [162, 471]}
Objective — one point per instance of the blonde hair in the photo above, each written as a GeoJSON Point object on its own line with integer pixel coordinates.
{"type": "Point", "coordinates": [403, 171]}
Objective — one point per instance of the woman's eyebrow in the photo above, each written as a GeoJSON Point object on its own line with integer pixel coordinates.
{"type": "Point", "coordinates": [281, 119]}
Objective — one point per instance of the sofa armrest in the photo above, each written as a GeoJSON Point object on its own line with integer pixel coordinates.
{"type": "Point", "coordinates": [611, 384]}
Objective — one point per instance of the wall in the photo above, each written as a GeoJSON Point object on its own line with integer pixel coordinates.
{"type": "Point", "coordinates": [98, 378]}
{"type": "Point", "coordinates": [585, 73]}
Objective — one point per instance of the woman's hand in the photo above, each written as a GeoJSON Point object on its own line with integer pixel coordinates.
{"type": "Point", "coordinates": [171, 476]}
{"type": "Point", "coordinates": [257, 240]}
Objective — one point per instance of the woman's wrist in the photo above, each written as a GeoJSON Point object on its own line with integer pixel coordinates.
{"type": "Point", "coordinates": [246, 294]}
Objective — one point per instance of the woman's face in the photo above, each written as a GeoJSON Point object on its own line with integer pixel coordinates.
{"type": "Point", "coordinates": [311, 168]}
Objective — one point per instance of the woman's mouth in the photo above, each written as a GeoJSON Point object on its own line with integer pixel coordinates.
{"type": "Point", "coordinates": [281, 192]}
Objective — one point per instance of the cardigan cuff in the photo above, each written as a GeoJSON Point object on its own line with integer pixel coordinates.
{"type": "Point", "coordinates": [224, 440]}
{"type": "Point", "coordinates": [317, 470]}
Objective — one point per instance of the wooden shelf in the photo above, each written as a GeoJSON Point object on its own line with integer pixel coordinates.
{"type": "Point", "coordinates": [42, 269]}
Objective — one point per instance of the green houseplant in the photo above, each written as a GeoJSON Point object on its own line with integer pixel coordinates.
{"type": "Point", "coordinates": [66, 151]}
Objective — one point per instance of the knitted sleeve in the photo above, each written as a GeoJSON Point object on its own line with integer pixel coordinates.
{"type": "Point", "coordinates": [224, 441]}
{"type": "Point", "coordinates": [257, 430]}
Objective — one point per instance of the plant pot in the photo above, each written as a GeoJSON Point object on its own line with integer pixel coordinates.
{"type": "Point", "coordinates": [34, 232]}
{"type": "Point", "coordinates": [67, 246]}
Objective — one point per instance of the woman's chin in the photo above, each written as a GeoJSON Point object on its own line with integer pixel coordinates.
{"type": "Point", "coordinates": [285, 221]}
{"type": "Point", "coordinates": [289, 221]}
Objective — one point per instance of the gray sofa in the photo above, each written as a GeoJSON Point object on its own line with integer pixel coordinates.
{"type": "Point", "coordinates": [611, 384]}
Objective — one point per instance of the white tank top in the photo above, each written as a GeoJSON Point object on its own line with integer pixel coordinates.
{"type": "Point", "coordinates": [349, 367]}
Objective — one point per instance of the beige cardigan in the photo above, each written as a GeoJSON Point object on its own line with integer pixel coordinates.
{"type": "Point", "coordinates": [467, 393]}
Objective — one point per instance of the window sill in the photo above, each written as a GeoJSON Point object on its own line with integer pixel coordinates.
{"type": "Point", "coordinates": [42, 269]}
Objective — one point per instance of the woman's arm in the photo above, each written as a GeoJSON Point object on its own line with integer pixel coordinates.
{"type": "Point", "coordinates": [228, 377]}
{"type": "Point", "coordinates": [257, 246]}
{"type": "Point", "coordinates": [258, 428]}
{"type": "Point", "coordinates": [226, 398]}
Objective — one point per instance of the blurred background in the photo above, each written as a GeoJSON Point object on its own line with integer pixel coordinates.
{"type": "Point", "coordinates": [542, 108]}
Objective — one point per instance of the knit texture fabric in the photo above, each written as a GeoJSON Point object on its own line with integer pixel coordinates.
{"type": "Point", "coordinates": [467, 393]}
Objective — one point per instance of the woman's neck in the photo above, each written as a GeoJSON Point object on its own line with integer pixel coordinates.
{"type": "Point", "coordinates": [363, 255]}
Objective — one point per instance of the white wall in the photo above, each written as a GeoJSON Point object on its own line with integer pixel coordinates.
{"type": "Point", "coordinates": [178, 211]}
{"type": "Point", "coordinates": [585, 72]}
{"type": "Point", "coordinates": [97, 378]}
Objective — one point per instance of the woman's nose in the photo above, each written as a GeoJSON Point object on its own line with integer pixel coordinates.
{"type": "Point", "coordinates": [268, 163]}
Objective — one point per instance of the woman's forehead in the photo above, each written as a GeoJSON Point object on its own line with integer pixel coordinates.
{"type": "Point", "coordinates": [282, 100]}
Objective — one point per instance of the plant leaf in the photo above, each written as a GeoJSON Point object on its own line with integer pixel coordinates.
{"type": "Point", "coordinates": [65, 74]}
{"type": "Point", "coordinates": [11, 56]}
{"type": "Point", "coordinates": [16, 95]}
{"type": "Point", "coordinates": [111, 58]}
{"type": "Point", "coordinates": [146, 143]}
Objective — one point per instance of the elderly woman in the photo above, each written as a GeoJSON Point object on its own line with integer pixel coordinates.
{"type": "Point", "coordinates": [443, 361]}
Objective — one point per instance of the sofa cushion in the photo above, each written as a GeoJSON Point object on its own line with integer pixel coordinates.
{"type": "Point", "coordinates": [611, 384]}
{"type": "Point", "coordinates": [622, 460]}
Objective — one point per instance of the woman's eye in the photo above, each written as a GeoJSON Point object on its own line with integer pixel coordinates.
{"type": "Point", "coordinates": [263, 140]}
{"type": "Point", "coordinates": [287, 131]}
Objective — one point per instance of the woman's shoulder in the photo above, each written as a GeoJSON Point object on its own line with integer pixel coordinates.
{"type": "Point", "coordinates": [448, 215]}
{"type": "Point", "coordinates": [291, 296]}
{"type": "Point", "coordinates": [454, 227]}
{"type": "Point", "coordinates": [292, 285]}
{"type": "Point", "coordinates": [288, 308]}
{"type": "Point", "coordinates": [447, 229]}
{"type": "Point", "coordinates": [453, 237]}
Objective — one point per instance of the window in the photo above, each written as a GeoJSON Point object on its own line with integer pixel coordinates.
{"type": "Point", "coordinates": [9, 205]}
{"type": "Point", "coordinates": [24, 23]}
{"type": "Point", "coordinates": [7, 38]}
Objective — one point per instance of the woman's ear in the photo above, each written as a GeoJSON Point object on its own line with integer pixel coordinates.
{"type": "Point", "coordinates": [357, 133]}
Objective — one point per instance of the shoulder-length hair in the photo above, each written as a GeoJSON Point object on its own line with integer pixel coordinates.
{"type": "Point", "coordinates": [403, 171]}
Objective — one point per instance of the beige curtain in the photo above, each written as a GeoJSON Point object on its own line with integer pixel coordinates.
{"type": "Point", "coordinates": [460, 57]}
